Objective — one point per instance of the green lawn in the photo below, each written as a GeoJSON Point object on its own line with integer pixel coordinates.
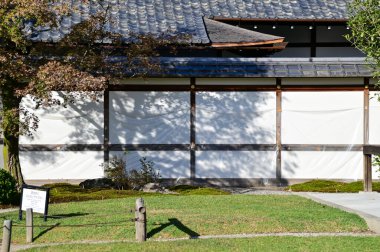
{"type": "Point", "coordinates": [329, 186]}
{"type": "Point", "coordinates": [183, 216]}
{"type": "Point", "coordinates": [272, 244]}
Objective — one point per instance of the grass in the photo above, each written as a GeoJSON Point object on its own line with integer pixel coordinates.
{"type": "Point", "coordinates": [329, 186]}
{"type": "Point", "coordinates": [252, 244]}
{"type": "Point", "coordinates": [63, 192]}
{"type": "Point", "coordinates": [172, 216]}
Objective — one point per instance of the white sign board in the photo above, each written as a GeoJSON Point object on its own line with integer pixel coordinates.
{"type": "Point", "coordinates": [35, 199]}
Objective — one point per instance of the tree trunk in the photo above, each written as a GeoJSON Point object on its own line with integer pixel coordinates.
{"type": "Point", "coordinates": [11, 159]}
{"type": "Point", "coordinates": [11, 132]}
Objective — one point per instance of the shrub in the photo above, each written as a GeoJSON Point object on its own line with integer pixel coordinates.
{"type": "Point", "coordinates": [146, 174]}
{"type": "Point", "coordinates": [8, 188]}
{"type": "Point", "coordinates": [116, 170]}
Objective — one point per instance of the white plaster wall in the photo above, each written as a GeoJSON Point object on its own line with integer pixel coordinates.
{"type": "Point", "coordinates": [149, 117]}
{"type": "Point", "coordinates": [79, 123]}
{"type": "Point", "coordinates": [235, 117]}
{"type": "Point", "coordinates": [170, 164]}
{"type": "Point", "coordinates": [236, 164]}
{"type": "Point", "coordinates": [323, 165]}
{"type": "Point", "coordinates": [374, 118]}
{"type": "Point", "coordinates": [322, 118]}
{"type": "Point", "coordinates": [61, 164]}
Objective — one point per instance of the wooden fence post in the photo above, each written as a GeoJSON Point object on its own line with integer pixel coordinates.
{"type": "Point", "coordinates": [7, 234]}
{"type": "Point", "coordinates": [29, 225]}
{"type": "Point", "coordinates": [140, 215]}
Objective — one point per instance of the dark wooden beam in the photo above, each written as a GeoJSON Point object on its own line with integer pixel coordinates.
{"type": "Point", "coordinates": [303, 88]}
{"type": "Point", "coordinates": [367, 166]}
{"type": "Point", "coordinates": [149, 147]}
{"type": "Point", "coordinates": [235, 147]}
{"type": "Point", "coordinates": [128, 87]}
{"type": "Point", "coordinates": [278, 128]}
{"type": "Point", "coordinates": [240, 88]}
{"type": "Point", "coordinates": [341, 21]}
{"type": "Point", "coordinates": [61, 147]}
{"type": "Point", "coordinates": [371, 149]}
{"type": "Point", "coordinates": [322, 147]}
{"type": "Point", "coordinates": [192, 129]}
{"type": "Point", "coordinates": [106, 130]}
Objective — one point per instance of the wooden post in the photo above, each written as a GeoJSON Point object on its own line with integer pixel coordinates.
{"type": "Point", "coordinates": [29, 225]}
{"type": "Point", "coordinates": [106, 130]}
{"type": "Point", "coordinates": [140, 214]}
{"type": "Point", "coordinates": [7, 234]}
{"type": "Point", "coordinates": [192, 129]}
{"type": "Point", "coordinates": [367, 161]}
{"type": "Point", "coordinates": [278, 129]}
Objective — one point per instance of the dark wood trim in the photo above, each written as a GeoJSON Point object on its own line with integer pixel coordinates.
{"type": "Point", "coordinates": [143, 87]}
{"type": "Point", "coordinates": [106, 131]}
{"type": "Point", "coordinates": [278, 128]}
{"type": "Point", "coordinates": [322, 147]}
{"type": "Point", "coordinates": [61, 147]}
{"type": "Point", "coordinates": [367, 173]}
{"type": "Point", "coordinates": [197, 147]}
{"type": "Point", "coordinates": [235, 147]}
{"type": "Point", "coordinates": [320, 44]}
{"type": "Point", "coordinates": [371, 149]}
{"type": "Point", "coordinates": [367, 158]}
{"type": "Point", "coordinates": [303, 88]}
{"type": "Point", "coordinates": [149, 147]}
{"type": "Point", "coordinates": [1, 141]}
{"type": "Point", "coordinates": [192, 128]}
{"type": "Point", "coordinates": [337, 21]}
{"type": "Point", "coordinates": [240, 88]}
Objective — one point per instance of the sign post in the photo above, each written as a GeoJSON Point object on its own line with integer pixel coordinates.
{"type": "Point", "coordinates": [36, 198]}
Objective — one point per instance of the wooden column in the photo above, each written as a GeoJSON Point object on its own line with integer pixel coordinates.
{"type": "Point", "coordinates": [106, 125]}
{"type": "Point", "coordinates": [366, 157]}
{"type": "Point", "coordinates": [278, 129]}
{"type": "Point", "coordinates": [192, 129]}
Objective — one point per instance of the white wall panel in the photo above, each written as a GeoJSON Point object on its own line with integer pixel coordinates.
{"type": "Point", "coordinates": [170, 164]}
{"type": "Point", "coordinates": [236, 164]}
{"type": "Point", "coordinates": [322, 118]}
{"type": "Point", "coordinates": [235, 117]}
{"type": "Point", "coordinates": [149, 117]}
{"type": "Point", "coordinates": [322, 165]}
{"type": "Point", "coordinates": [374, 118]}
{"type": "Point", "coordinates": [61, 164]}
{"type": "Point", "coordinates": [79, 123]}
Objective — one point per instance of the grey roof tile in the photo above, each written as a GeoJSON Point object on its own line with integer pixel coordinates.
{"type": "Point", "coordinates": [181, 16]}
{"type": "Point", "coordinates": [262, 67]}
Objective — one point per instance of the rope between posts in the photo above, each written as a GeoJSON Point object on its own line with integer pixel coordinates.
{"type": "Point", "coordinates": [80, 225]}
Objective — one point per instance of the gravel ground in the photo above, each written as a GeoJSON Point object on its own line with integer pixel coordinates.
{"type": "Point", "coordinates": [257, 191]}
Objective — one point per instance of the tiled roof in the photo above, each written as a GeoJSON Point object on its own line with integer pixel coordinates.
{"type": "Point", "coordinates": [265, 67]}
{"type": "Point", "coordinates": [180, 16]}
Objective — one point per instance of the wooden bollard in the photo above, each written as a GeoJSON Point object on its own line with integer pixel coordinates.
{"type": "Point", "coordinates": [140, 216]}
{"type": "Point", "coordinates": [7, 234]}
{"type": "Point", "coordinates": [29, 225]}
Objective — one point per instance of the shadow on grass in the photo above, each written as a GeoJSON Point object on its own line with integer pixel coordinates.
{"type": "Point", "coordinates": [175, 222]}
{"type": "Point", "coordinates": [45, 231]}
{"type": "Point", "coordinates": [63, 216]}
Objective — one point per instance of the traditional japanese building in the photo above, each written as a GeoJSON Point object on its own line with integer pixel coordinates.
{"type": "Point", "coordinates": [269, 93]}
